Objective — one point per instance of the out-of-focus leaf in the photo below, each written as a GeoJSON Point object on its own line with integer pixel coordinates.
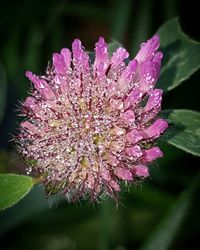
{"type": "Point", "coordinates": [33, 50]}
{"type": "Point", "coordinates": [13, 188]}
{"type": "Point", "coordinates": [55, 13]}
{"type": "Point", "coordinates": [87, 11]}
{"type": "Point", "coordinates": [141, 25]}
{"type": "Point", "coordinates": [181, 55]}
{"type": "Point", "coordinates": [151, 197]}
{"type": "Point", "coordinates": [2, 91]}
{"type": "Point", "coordinates": [169, 9]}
{"type": "Point", "coordinates": [34, 203]}
{"type": "Point", "coordinates": [11, 52]}
{"type": "Point", "coordinates": [164, 234]}
{"type": "Point", "coordinates": [106, 225]}
{"type": "Point", "coordinates": [119, 18]}
{"type": "Point", "coordinates": [184, 130]}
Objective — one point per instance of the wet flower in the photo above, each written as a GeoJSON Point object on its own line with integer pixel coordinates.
{"type": "Point", "coordinates": [91, 125]}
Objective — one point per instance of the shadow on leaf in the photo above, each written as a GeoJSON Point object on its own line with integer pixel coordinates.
{"type": "Point", "coordinates": [170, 64]}
{"type": "Point", "coordinates": [173, 129]}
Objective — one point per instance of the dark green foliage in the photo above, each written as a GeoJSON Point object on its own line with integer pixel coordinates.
{"type": "Point", "coordinates": [164, 209]}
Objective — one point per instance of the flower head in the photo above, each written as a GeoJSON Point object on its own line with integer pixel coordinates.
{"type": "Point", "coordinates": [90, 126]}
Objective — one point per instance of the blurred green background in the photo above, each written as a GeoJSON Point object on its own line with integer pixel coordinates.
{"type": "Point", "coordinates": [161, 213]}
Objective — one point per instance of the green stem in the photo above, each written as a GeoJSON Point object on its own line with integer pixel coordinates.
{"type": "Point", "coordinates": [105, 225]}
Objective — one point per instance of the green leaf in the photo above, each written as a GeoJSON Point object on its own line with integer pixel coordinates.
{"type": "Point", "coordinates": [163, 236]}
{"type": "Point", "coordinates": [13, 188]}
{"type": "Point", "coordinates": [2, 91]}
{"type": "Point", "coordinates": [184, 130]}
{"type": "Point", "coordinates": [181, 55]}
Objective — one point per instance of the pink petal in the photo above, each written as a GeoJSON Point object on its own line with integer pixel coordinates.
{"type": "Point", "coordinates": [118, 131]}
{"type": "Point", "coordinates": [153, 105]}
{"type": "Point", "coordinates": [101, 57]}
{"type": "Point", "coordinates": [58, 64]}
{"type": "Point", "coordinates": [152, 154]}
{"type": "Point", "coordinates": [77, 50]}
{"type": "Point", "coordinates": [105, 174]}
{"type": "Point", "coordinates": [116, 104]}
{"type": "Point", "coordinates": [156, 129]}
{"type": "Point", "coordinates": [150, 71]}
{"type": "Point", "coordinates": [134, 151]}
{"type": "Point", "coordinates": [140, 171]}
{"type": "Point", "coordinates": [148, 49]}
{"type": "Point", "coordinates": [119, 56]}
{"type": "Point", "coordinates": [62, 83]}
{"type": "Point", "coordinates": [31, 128]}
{"type": "Point", "coordinates": [115, 185]}
{"type": "Point", "coordinates": [111, 88]}
{"type": "Point", "coordinates": [118, 146]}
{"type": "Point", "coordinates": [112, 160]}
{"type": "Point", "coordinates": [128, 117]}
{"type": "Point", "coordinates": [41, 85]}
{"type": "Point", "coordinates": [80, 57]}
{"type": "Point", "coordinates": [154, 101]}
{"type": "Point", "coordinates": [149, 76]}
{"type": "Point", "coordinates": [124, 174]}
{"type": "Point", "coordinates": [133, 98]}
{"type": "Point", "coordinates": [157, 60]}
{"type": "Point", "coordinates": [134, 136]}
{"type": "Point", "coordinates": [31, 104]}
{"type": "Point", "coordinates": [128, 73]}
{"type": "Point", "coordinates": [66, 57]}
{"type": "Point", "coordinates": [90, 181]}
